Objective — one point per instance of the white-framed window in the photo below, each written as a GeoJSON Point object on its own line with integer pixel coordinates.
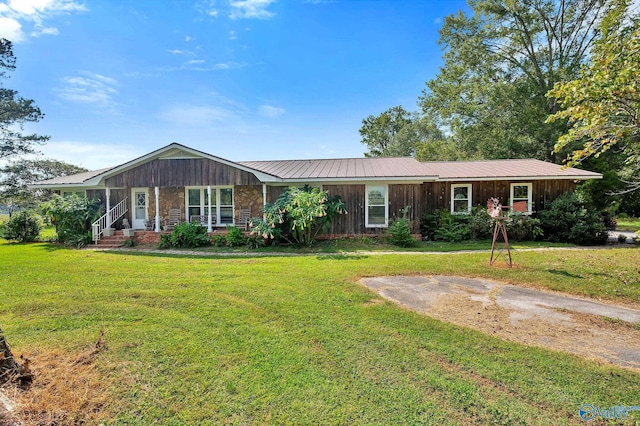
{"type": "Point", "coordinates": [377, 211]}
{"type": "Point", "coordinates": [197, 203]}
{"type": "Point", "coordinates": [520, 194]}
{"type": "Point", "coordinates": [461, 198]}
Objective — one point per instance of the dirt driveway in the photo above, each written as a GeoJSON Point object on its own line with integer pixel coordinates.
{"type": "Point", "coordinates": [579, 326]}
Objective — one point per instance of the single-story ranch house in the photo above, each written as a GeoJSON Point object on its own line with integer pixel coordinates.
{"type": "Point", "coordinates": [187, 184]}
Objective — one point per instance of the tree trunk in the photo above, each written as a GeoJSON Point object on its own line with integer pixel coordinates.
{"type": "Point", "coordinates": [8, 365]}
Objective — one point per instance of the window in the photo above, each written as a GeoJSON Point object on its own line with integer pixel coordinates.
{"type": "Point", "coordinates": [460, 198]}
{"type": "Point", "coordinates": [521, 197]}
{"type": "Point", "coordinates": [376, 210]}
{"type": "Point", "coordinates": [221, 204]}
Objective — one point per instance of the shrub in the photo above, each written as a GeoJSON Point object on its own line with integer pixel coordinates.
{"type": "Point", "coordinates": [189, 235]}
{"type": "Point", "coordinates": [129, 242]}
{"type": "Point", "coordinates": [72, 217]}
{"type": "Point", "coordinates": [255, 241]}
{"type": "Point", "coordinates": [452, 228]}
{"type": "Point", "coordinates": [23, 226]}
{"type": "Point", "coordinates": [219, 240]}
{"type": "Point", "coordinates": [399, 231]}
{"type": "Point", "coordinates": [522, 227]}
{"type": "Point", "coordinates": [481, 224]}
{"type": "Point", "coordinates": [165, 241]}
{"type": "Point", "coordinates": [234, 237]}
{"type": "Point", "coordinates": [571, 218]}
{"type": "Point", "coordinates": [298, 216]}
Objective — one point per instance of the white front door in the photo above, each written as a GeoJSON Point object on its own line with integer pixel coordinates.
{"type": "Point", "coordinates": [139, 204]}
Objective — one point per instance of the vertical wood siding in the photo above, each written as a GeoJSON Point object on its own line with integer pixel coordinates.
{"type": "Point", "coordinates": [438, 194]}
{"type": "Point", "coordinates": [182, 172]}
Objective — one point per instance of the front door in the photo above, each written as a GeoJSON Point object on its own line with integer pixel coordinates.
{"type": "Point", "coordinates": [139, 203]}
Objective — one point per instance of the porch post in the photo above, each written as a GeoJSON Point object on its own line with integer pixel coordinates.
{"type": "Point", "coordinates": [108, 193]}
{"type": "Point", "coordinates": [209, 227]}
{"type": "Point", "coordinates": [157, 191]}
{"type": "Point", "coordinates": [264, 200]}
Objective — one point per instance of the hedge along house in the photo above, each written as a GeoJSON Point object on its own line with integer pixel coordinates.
{"type": "Point", "coordinates": [180, 180]}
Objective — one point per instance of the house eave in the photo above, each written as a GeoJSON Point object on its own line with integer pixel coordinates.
{"type": "Point", "coordinates": [518, 178]}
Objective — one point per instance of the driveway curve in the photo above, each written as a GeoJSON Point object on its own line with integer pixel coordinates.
{"type": "Point", "coordinates": [580, 326]}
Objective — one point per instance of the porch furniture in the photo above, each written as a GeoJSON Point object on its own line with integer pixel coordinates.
{"type": "Point", "coordinates": [243, 219]}
{"type": "Point", "coordinates": [149, 225]}
{"type": "Point", "coordinates": [174, 218]}
{"type": "Point", "coordinates": [202, 220]}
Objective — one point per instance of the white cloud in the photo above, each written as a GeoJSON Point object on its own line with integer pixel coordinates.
{"type": "Point", "coordinates": [232, 35]}
{"type": "Point", "coordinates": [91, 89]}
{"type": "Point", "coordinates": [15, 14]}
{"type": "Point", "coordinates": [188, 39]}
{"type": "Point", "coordinates": [271, 111]}
{"type": "Point", "coordinates": [195, 61]}
{"type": "Point", "coordinates": [11, 29]}
{"type": "Point", "coordinates": [213, 13]}
{"type": "Point", "coordinates": [250, 9]}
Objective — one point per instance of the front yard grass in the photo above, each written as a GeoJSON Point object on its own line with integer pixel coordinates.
{"type": "Point", "coordinates": [629, 224]}
{"type": "Point", "coordinates": [295, 340]}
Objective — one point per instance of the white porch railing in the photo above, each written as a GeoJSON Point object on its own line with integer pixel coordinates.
{"type": "Point", "coordinates": [116, 212]}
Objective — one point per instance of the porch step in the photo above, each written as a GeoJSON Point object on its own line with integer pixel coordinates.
{"type": "Point", "coordinates": [112, 241]}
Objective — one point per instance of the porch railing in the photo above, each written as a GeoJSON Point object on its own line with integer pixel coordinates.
{"type": "Point", "coordinates": [116, 212]}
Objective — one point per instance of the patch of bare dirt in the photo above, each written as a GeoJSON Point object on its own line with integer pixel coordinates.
{"type": "Point", "coordinates": [586, 335]}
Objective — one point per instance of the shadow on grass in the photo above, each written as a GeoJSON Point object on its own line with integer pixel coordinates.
{"type": "Point", "coordinates": [565, 273]}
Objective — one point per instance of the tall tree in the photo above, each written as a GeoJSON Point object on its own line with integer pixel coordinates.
{"type": "Point", "coordinates": [397, 133]}
{"type": "Point", "coordinates": [499, 64]}
{"type": "Point", "coordinates": [15, 112]}
{"type": "Point", "coordinates": [17, 175]}
{"type": "Point", "coordinates": [603, 104]}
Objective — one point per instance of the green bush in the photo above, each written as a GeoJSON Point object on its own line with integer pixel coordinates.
{"type": "Point", "coordinates": [521, 227]}
{"type": "Point", "coordinates": [298, 216]}
{"type": "Point", "coordinates": [72, 217]}
{"type": "Point", "coordinates": [219, 240]}
{"type": "Point", "coordinates": [234, 237]}
{"type": "Point", "coordinates": [572, 218]}
{"type": "Point", "coordinates": [23, 226]}
{"type": "Point", "coordinates": [453, 228]}
{"type": "Point", "coordinates": [189, 235]}
{"type": "Point", "coordinates": [399, 231]}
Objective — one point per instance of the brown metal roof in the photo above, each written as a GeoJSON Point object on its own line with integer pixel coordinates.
{"type": "Point", "coordinates": [78, 178]}
{"type": "Point", "coordinates": [343, 168]}
{"type": "Point", "coordinates": [505, 169]}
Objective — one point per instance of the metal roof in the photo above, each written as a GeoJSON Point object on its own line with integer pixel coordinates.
{"type": "Point", "coordinates": [77, 179]}
{"type": "Point", "coordinates": [505, 169]}
{"type": "Point", "coordinates": [344, 168]}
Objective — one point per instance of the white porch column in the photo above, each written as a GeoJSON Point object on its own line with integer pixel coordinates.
{"type": "Point", "coordinates": [108, 193]}
{"type": "Point", "coordinates": [209, 227]}
{"type": "Point", "coordinates": [264, 200]}
{"type": "Point", "coordinates": [157, 191]}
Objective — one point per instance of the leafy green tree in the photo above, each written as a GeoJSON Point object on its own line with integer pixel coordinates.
{"type": "Point", "coordinates": [397, 133]}
{"type": "Point", "coordinates": [499, 63]}
{"type": "Point", "coordinates": [298, 216]}
{"type": "Point", "coordinates": [22, 227]}
{"type": "Point", "coordinates": [17, 175]}
{"type": "Point", "coordinates": [603, 104]}
{"type": "Point", "coordinates": [379, 133]}
{"type": "Point", "coordinates": [15, 112]}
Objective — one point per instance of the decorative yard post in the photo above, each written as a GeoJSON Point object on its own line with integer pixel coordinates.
{"type": "Point", "coordinates": [495, 211]}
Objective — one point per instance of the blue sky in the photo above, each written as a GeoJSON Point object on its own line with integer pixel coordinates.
{"type": "Point", "coordinates": [244, 80]}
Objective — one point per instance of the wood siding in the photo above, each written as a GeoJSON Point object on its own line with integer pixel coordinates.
{"type": "Point", "coordinates": [438, 194]}
{"type": "Point", "coordinates": [182, 172]}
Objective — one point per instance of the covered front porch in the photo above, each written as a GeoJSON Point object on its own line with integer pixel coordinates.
{"type": "Point", "coordinates": [161, 208]}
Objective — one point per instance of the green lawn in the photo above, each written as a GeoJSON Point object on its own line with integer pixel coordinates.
{"type": "Point", "coordinates": [295, 340]}
{"type": "Point", "coordinates": [631, 224]}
